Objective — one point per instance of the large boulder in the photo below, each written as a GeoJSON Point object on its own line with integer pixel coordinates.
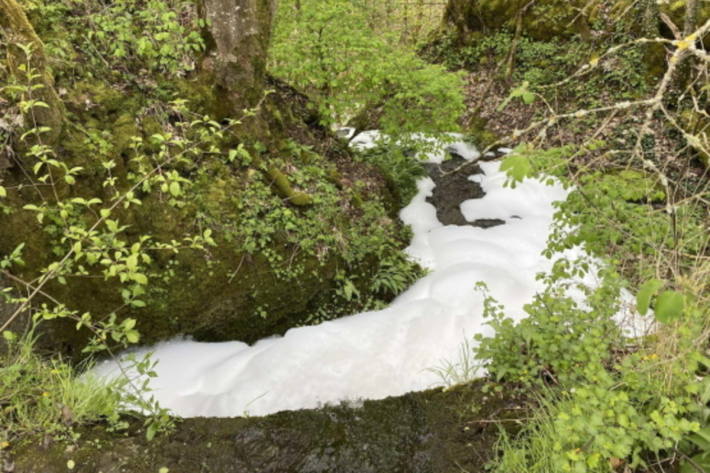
{"type": "Point", "coordinates": [560, 18]}
{"type": "Point", "coordinates": [291, 214]}
{"type": "Point", "coordinates": [260, 279]}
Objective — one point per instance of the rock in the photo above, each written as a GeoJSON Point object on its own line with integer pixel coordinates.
{"type": "Point", "coordinates": [428, 432]}
{"type": "Point", "coordinates": [541, 21]}
{"type": "Point", "coordinates": [224, 293]}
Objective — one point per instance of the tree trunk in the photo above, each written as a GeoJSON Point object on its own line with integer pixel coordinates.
{"type": "Point", "coordinates": [237, 35]}
{"type": "Point", "coordinates": [18, 31]}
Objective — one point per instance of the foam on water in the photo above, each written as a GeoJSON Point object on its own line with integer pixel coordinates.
{"type": "Point", "coordinates": [390, 352]}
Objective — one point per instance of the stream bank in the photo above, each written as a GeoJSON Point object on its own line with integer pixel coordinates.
{"type": "Point", "coordinates": [434, 431]}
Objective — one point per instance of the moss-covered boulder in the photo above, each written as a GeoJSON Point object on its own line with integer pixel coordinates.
{"type": "Point", "coordinates": [539, 20]}
{"type": "Point", "coordinates": [561, 18]}
{"type": "Point", "coordinates": [430, 432]}
{"type": "Point", "coordinates": [276, 256]}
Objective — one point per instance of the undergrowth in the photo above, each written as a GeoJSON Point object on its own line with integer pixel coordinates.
{"type": "Point", "coordinates": [45, 396]}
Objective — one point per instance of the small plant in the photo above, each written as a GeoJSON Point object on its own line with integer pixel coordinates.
{"type": "Point", "coordinates": [46, 396]}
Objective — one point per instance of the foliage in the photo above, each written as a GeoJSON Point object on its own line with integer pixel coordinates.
{"type": "Point", "coordinates": [45, 396]}
{"type": "Point", "coordinates": [606, 401]}
{"type": "Point", "coordinates": [539, 63]}
{"type": "Point", "coordinates": [132, 149]}
{"type": "Point", "coordinates": [398, 161]}
{"type": "Point", "coordinates": [613, 207]}
{"type": "Point", "coordinates": [609, 401]}
{"type": "Point", "coordinates": [151, 33]}
{"type": "Point", "coordinates": [603, 406]}
{"type": "Point", "coordinates": [329, 49]}
{"type": "Point", "coordinates": [560, 336]}
{"type": "Point", "coordinates": [158, 35]}
{"type": "Point", "coordinates": [391, 274]}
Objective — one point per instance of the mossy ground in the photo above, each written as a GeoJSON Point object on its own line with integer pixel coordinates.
{"type": "Point", "coordinates": [434, 431]}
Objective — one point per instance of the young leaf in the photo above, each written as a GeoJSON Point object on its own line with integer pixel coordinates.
{"type": "Point", "coordinates": [669, 306]}
{"type": "Point", "coordinates": [648, 289]}
{"type": "Point", "coordinates": [175, 189]}
{"type": "Point", "coordinates": [517, 167]}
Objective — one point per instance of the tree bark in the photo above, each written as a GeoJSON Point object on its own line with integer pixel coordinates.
{"type": "Point", "coordinates": [18, 30]}
{"type": "Point", "coordinates": [237, 35]}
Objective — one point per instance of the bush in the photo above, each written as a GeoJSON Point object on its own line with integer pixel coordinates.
{"type": "Point", "coordinates": [330, 50]}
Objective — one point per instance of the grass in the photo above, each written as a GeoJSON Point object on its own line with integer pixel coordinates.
{"type": "Point", "coordinates": [465, 369]}
{"type": "Point", "coordinates": [39, 395]}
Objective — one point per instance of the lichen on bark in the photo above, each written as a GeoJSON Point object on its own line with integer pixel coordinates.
{"type": "Point", "coordinates": [19, 34]}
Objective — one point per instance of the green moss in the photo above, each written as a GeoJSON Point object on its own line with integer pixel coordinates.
{"type": "Point", "coordinates": [415, 433]}
{"type": "Point", "coordinates": [479, 133]}
{"type": "Point", "coordinates": [297, 234]}
{"type": "Point", "coordinates": [698, 125]}
{"type": "Point", "coordinates": [541, 21]}
{"type": "Point", "coordinates": [294, 197]}
{"type": "Point", "coordinates": [124, 129]}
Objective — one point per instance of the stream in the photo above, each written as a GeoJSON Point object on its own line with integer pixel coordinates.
{"type": "Point", "coordinates": [497, 236]}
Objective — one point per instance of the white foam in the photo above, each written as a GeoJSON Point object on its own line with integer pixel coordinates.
{"type": "Point", "coordinates": [438, 148]}
{"type": "Point", "coordinates": [385, 353]}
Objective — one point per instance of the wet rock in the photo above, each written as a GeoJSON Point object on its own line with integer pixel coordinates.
{"type": "Point", "coordinates": [487, 222]}
{"type": "Point", "coordinates": [435, 431]}
{"type": "Point", "coordinates": [453, 187]}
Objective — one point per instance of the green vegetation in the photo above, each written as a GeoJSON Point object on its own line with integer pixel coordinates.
{"type": "Point", "coordinates": [604, 401]}
{"type": "Point", "coordinates": [148, 198]}
{"type": "Point", "coordinates": [44, 396]}
{"type": "Point", "coordinates": [332, 50]}
{"type": "Point", "coordinates": [137, 203]}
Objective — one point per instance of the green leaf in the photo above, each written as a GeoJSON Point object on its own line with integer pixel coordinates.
{"type": "Point", "coordinates": [517, 166]}
{"type": "Point", "coordinates": [9, 336]}
{"type": "Point", "coordinates": [702, 460]}
{"type": "Point", "coordinates": [648, 289]}
{"type": "Point", "coordinates": [140, 278]}
{"type": "Point", "coordinates": [701, 438]}
{"type": "Point", "coordinates": [175, 189]}
{"type": "Point", "coordinates": [3, 192]}
{"type": "Point", "coordinates": [150, 432]}
{"type": "Point", "coordinates": [528, 97]}
{"type": "Point", "coordinates": [133, 336]}
{"type": "Point", "coordinates": [669, 306]}
{"type": "Point", "coordinates": [132, 262]}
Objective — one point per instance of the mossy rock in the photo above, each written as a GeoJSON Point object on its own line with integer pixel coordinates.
{"type": "Point", "coordinates": [552, 18]}
{"type": "Point", "coordinates": [226, 292]}
{"type": "Point", "coordinates": [429, 432]}
{"type": "Point", "coordinates": [541, 21]}
{"type": "Point", "coordinates": [477, 132]}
